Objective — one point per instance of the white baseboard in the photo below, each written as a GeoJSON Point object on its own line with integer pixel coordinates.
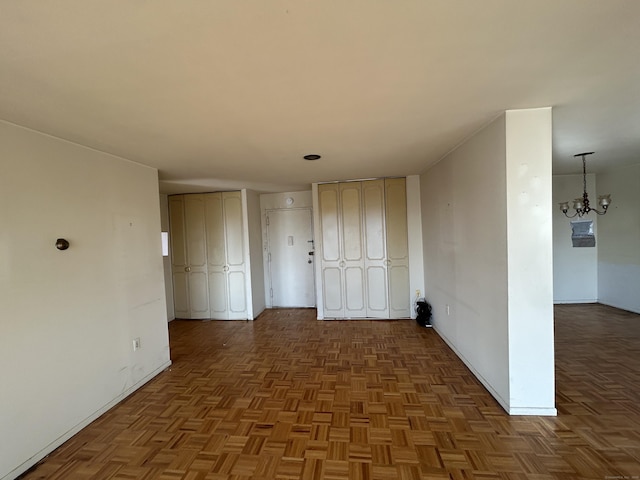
{"type": "Point", "coordinates": [503, 403]}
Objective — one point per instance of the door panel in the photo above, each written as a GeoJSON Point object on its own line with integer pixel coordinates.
{"type": "Point", "coordinates": [377, 306]}
{"type": "Point", "coordinates": [218, 295]}
{"type": "Point", "coordinates": [354, 292]}
{"type": "Point", "coordinates": [352, 250]}
{"type": "Point", "coordinates": [214, 230]}
{"type": "Point", "coordinates": [235, 262]}
{"type": "Point", "coordinates": [332, 290]}
{"type": "Point", "coordinates": [195, 233]}
{"type": "Point", "coordinates": [329, 219]}
{"type": "Point", "coordinates": [237, 295]}
{"type": "Point", "coordinates": [176, 222]}
{"type": "Point", "coordinates": [397, 248]}
{"type": "Point", "coordinates": [233, 228]}
{"type": "Point", "coordinates": [331, 251]}
{"type": "Point", "coordinates": [373, 200]}
{"type": "Point", "coordinates": [399, 291]}
{"type": "Point", "coordinates": [289, 238]}
{"type": "Point", "coordinates": [351, 221]}
{"type": "Point", "coordinates": [199, 294]}
{"type": "Point", "coordinates": [180, 295]}
{"type": "Point", "coordinates": [178, 257]}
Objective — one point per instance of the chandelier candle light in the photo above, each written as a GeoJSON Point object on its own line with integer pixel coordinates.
{"type": "Point", "coordinates": [581, 205]}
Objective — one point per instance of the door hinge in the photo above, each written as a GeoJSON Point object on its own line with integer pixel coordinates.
{"type": "Point", "coordinates": [267, 219]}
{"type": "Point", "coordinates": [271, 292]}
{"type": "Point", "coordinates": [269, 257]}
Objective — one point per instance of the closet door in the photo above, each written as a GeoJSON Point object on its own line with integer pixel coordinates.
{"type": "Point", "coordinates": [179, 257]}
{"type": "Point", "coordinates": [216, 257]}
{"type": "Point", "coordinates": [397, 247]}
{"type": "Point", "coordinates": [375, 257]}
{"type": "Point", "coordinates": [331, 252]}
{"type": "Point", "coordinates": [226, 256]}
{"type": "Point", "coordinates": [352, 263]}
{"type": "Point", "coordinates": [197, 278]}
{"type": "Point", "coordinates": [235, 255]}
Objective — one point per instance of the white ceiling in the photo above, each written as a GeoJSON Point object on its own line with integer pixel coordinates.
{"type": "Point", "coordinates": [232, 93]}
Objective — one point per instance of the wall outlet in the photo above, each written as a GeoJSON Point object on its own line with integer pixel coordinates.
{"type": "Point", "coordinates": [136, 344]}
{"type": "Point", "coordinates": [418, 293]}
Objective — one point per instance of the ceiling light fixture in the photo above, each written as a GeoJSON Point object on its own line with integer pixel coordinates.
{"type": "Point", "coordinates": [312, 156]}
{"type": "Point", "coordinates": [581, 205]}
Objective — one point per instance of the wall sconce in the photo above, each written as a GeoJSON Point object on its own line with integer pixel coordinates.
{"type": "Point", "coordinates": [62, 244]}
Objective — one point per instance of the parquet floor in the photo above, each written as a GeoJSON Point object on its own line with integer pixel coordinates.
{"type": "Point", "coordinates": [288, 397]}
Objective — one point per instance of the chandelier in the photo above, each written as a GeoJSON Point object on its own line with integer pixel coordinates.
{"type": "Point", "coordinates": [581, 204]}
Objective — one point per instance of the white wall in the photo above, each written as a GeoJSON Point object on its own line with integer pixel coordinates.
{"type": "Point", "coordinates": [575, 270]}
{"type": "Point", "coordinates": [255, 270]}
{"type": "Point", "coordinates": [274, 201]}
{"type": "Point", "coordinates": [69, 317]}
{"type": "Point", "coordinates": [464, 230]}
{"type": "Point", "coordinates": [166, 261]}
{"type": "Point", "coordinates": [530, 262]}
{"type": "Point", "coordinates": [486, 226]}
{"type": "Point", "coordinates": [619, 240]}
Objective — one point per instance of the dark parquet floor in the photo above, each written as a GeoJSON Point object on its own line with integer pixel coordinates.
{"type": "Point", "coordinates": [289, 397]}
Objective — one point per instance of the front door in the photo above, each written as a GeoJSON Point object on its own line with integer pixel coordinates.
{"type": "Point", "coordinates": [290, 239]}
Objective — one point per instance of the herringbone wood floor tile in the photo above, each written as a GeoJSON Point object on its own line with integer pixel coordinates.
{"type": "Point", "coordinates": [289, 397]}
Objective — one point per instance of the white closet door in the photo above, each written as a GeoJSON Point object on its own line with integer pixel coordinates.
{"type": "Point", "coordinates": [235, 254]}
{"type": "Point", "coordinates": [196, 256]}
{"type": "Point", "coordinates": [216, 258]}
{"type": "Point", "coordinates": [352, 250]}
{"type": "Point", "coordinates": [375, 261]}
{"type": "Point", "coordinates": [331, 255]}
{"type": "Point", "coordinates": [178, 257]}
{"type": "Point", "coordinates": [397, 248]}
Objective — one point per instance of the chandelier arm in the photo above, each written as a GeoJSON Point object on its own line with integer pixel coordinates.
{"type": "Point", "coordinates": [584, 175]}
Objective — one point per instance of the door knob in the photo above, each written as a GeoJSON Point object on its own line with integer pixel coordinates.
{"type": "Point", "coordinates": [187, 269]}
{"type": "Point", "coordinates": [225, 268]}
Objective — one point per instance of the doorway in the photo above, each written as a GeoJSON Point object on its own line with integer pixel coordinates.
{"type": "Point", "coordinates": [291, 257]}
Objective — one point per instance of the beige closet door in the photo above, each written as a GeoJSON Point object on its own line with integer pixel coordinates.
{"type": "Point", "coordinates": [397, 248]}
{"type": "Point", "coordinates": [331, 251]}
{"type": "Point", "coordinates": [235, 255]}
{"type": "Point", "coordinates": [352, 250]}
{"type": "Point", "coordinates": [179, 257]}
{"type": "Point", "coordinates": [225, 252]}
{"type": "Point", "coordinates": [216, 257]}
{"type": "Point", "coordinates": [342, 257]}
{"type": "Point", "coordinates": [375, 251]}
{"type": "Point", "coordinates": [194, 220]}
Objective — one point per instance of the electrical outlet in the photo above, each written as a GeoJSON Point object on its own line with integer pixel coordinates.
{"type": "Point", "coordinates": [136, 344]}
{"type": "Point", "coordinates": [417, 293]}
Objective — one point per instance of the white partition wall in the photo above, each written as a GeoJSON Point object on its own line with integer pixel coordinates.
{"type": "Point", "coordinates": [530, 262]}
{"type": "Point", "coordinates": [486, 219]}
